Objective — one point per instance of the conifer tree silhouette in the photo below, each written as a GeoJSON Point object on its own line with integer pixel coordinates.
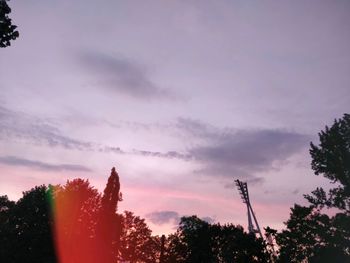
{"type": "Point", "coordinates": [109, 223]}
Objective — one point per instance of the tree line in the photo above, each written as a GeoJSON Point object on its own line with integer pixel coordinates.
{"type": "Point", "coordinates": [320, 231]}
{"type": "Point", "coordinates": [75, 223]}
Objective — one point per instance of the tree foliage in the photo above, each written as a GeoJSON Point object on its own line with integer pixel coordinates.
{"type": "Point", "coordinates": [312, 235]}
{"type": "Point", "coordinates": [8, 31]}
{"type": "Point", "coordinates": [198, 241]}
{"type": "Point", "coordinates": [66, 223]}
{"type": "Point", "coordinates": [88, 229]}
{"type": "Point", "coordinates": [60, 223]}
{"type": "Point", "coordinates": [331, 158]}
{"type": "Point", "coordinates": [75, 207]}
{"type": "Point", "coordinates": [108, 228]}
{"type": "Point", "coordinates": [26, 228]}
{"type": "Point", "coordinates": [137, 243]}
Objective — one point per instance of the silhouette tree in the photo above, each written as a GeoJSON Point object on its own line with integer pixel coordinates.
{"type": "Point", "coordinates": [26, 228]}
{"type": "Point", "coordinates": [332, 160]}
{"type": "Point", "coordinates": [195, 240]}
{"type": "Point", "coordinates": [5, 208]}
{"type": "Point", "coordinates": [73, 220]}
{"type": "Point", "coordinates": [87, 228]}
{"type": "Point", "coordinates": [8, 31]}
{"type": "Point", "coordinates": [311, 235]}
{"type": "Point", "coordinates": [314, 237]}
{"type": "Point", "coordinates": [198, 241]}
{"type": "Point", "coordinates": [235, 245]}
{"type": "Point", "coordinates": [175, 249]}
{"type": "Point", "coordinates": [137, 243]}
{"type": "Point", "coordinates": [76, 206]}
{"type": "Point", "coordinates": [109, 223]}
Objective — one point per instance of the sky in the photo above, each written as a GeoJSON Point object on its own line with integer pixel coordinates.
{"type": "Point", "coordinates": [182, 97]}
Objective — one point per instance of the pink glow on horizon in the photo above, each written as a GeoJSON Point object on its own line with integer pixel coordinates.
{"type": "Point", "coordinates": [21, 179]}
{"type": "Point", "coordinates": [266, 213]}
{"type": "Point", "coordinates": [271, 214]}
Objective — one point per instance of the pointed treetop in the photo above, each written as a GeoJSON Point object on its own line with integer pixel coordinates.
{"type": "Point", "coordinates": [111, 193]}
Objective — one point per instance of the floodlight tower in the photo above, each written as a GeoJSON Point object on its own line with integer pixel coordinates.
{"type": "Point", "coordinates": [243, 190]}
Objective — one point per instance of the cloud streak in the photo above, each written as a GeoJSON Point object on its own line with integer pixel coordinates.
{"type": "Point", "coordinates": [167, 155]}
{"type": "Point", "coordinates": [163, 217]}
{"type": "Point", "coordinates": [16, 161]}
{"type": "Point", "coordinates": [247, 152]}
{"type": "Point", "coordinates": [123, 76]}
{"type": "Point", "coordinates": [240, 153]}
{"type": "Point", "coordinates": [173, 217]}
{"type": "Point", "coordinates": [223, 152]}
{"type": "Point", "coordinates": [25, 127]}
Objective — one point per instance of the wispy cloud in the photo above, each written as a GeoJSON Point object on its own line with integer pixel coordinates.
{"type": "Point", "coordinates": [16, 161]}
{"type": "Point", "coordinates": [21, 126]}
{"type": "Point", "coordinates": [37, 130]}
{"type": "Point", "coordinates": [168, 155]}
{"type": "Point", "coordinates": [195, 128]}
{"type": "Point", "coordinates": [112, 149]}
{"type": "Point", "coordinates": [222, 152]}
{"type": "Point", "coordinates": [16, 125]}
{"type": "Point", "coordinates": [123, 75]}
{"type": "Point", "coordinates": [245, 152]}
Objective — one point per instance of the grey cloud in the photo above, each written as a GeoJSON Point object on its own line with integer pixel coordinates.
{"type": "Point", "coordinates": [123, 75]}
{"type": "Point", "coordinates": [233, 153]}
{"type": "Point", "coordinates": [16, 161]}
{"type": "Point", "coordinates": [25, 127]}
{"type": "Point", "coordinates": [296, 191]}
{"type": "Point", "coordinates": [196, 128]}
{"type": "Point", "coordinates": [112, 149]}
{"type": "Point", "coordinates": [255, 180]}
{"type": "Point", "coordinates": [244, 153]}
{"type": "Point", "coordinates": [21, 126]}
{"type": "Point", "coordinates": [163, 217]}
{"type": "Point", "coordinates": [168, 155]}
{"type": "Point", "coordinates": [240, 153]}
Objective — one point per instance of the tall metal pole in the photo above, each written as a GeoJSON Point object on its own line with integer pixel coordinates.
{"type": "Point", "coordinates": [243, 190]}
{"type": "Point", "coordinates": [256, 222]}
{"type": "Point", "coordinates": [250, 223]}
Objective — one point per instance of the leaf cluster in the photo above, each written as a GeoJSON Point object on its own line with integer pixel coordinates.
{"type": "Point", "coordinates": [198, 241]}
{"type": "Point", "coordinates": [8, 31]}
{"type": "Point", "coordinates": [312, 234]}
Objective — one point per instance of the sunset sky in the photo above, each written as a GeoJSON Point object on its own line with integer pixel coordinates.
{"type": "Point", "coordinates": [181, 96]}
